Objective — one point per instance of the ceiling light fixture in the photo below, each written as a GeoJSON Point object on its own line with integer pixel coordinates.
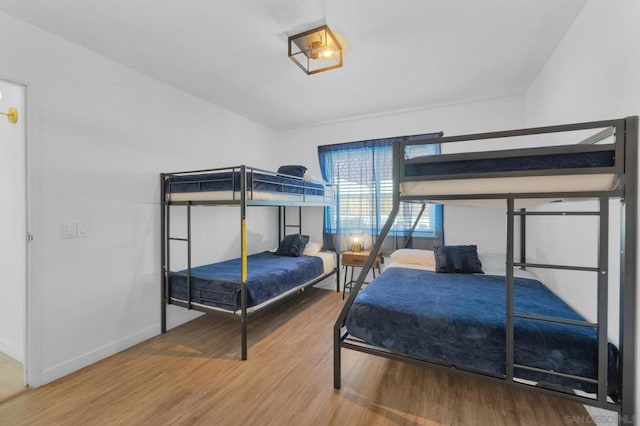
{"type": "Point", "coordinates": [315, 50]}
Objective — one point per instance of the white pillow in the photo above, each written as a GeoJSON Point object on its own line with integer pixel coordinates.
{"type": "Point", "coordinates": [311, 248]}
{"type": "Point", "coordinates": [311, 178]}
{"type": "Point", "coordinates": [414, 256]}
{"type": "Point", "coordinates": [493, 261]}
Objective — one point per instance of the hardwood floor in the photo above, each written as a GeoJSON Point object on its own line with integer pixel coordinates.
{"type": "Point", "coordinates": [11, 377]}
{"type": "Point", "coordinates": [193, 375]}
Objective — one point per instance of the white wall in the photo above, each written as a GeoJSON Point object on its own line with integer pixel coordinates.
{"type": "Point", "coordinates": [594, 74]}
{"type": "Point", "coordinates": [100, 134]}
{"type": "Point", "coordinates": [12, 222]}
{"type": "Point", "coordinates": [299, 146]}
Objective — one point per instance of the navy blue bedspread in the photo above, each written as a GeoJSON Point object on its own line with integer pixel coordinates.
{"type": "Point", "coordinates": [228, 181]}
{"type": "Point", "coordinates": [459, 319]}
{"type": "Point", "coordinates": [268, 276]}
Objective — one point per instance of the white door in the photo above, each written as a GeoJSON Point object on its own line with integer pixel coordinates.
{"type": "Point", "coordinates": [13, 260]}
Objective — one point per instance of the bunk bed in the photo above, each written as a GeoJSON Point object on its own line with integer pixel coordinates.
{"type": "Point", "coordinates": [396, 316]}
{"type": "Point", "coordinates": [244, 286]}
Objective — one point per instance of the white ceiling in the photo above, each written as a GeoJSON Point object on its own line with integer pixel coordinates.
{"type": "Point", "coordinates": [401, 55]}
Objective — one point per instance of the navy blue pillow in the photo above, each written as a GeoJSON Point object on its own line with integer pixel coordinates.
{"type": "Point", "coordinates": [292, 170]}
{"type": "Point", "coordinates": [292, 245]}
{"type": "Point", "coordinates": [458, 259]}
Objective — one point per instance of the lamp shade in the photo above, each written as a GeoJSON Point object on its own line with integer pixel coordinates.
{"type": "Point", "coordinates": [315, 50]}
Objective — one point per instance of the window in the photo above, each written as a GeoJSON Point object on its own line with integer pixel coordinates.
{"type": "Point", "coordinates": [361, 173]}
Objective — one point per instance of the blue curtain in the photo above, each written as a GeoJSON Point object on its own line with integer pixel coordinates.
{"type": "Point", "coordinates": [361, 173]}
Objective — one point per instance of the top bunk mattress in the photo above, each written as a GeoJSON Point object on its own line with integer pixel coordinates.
{"type": "Point", "coordinates": [515, 185]}
{"type": "Point", "coordinates": [225, 185]}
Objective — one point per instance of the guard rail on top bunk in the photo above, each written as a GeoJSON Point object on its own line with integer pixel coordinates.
{"type": "Point", "coordinates": [621, 165]}
{"type": "Point", "coordinates": [241, 186]}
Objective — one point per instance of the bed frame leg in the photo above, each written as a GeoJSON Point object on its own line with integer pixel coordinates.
{"type": "Point", "coordinates": [337, 362]}
{"type": "Point", "coordinates": [628, 269]}
{"type": "Point", "coordinates": [163, 316]}
{"type": "Point", "coordinates": [243, 326]}
{"type": "Point", "coordinates": [164, 218]}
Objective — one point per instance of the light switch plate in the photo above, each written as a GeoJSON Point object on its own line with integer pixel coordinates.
{"type": "Point", "coordinates": [83, 229]}
{"type": "Point", "coordinates": [69, 230]}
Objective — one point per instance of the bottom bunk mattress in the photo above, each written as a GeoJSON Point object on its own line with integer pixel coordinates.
{"type": "Point", "coordinates": [459, 320]}
{"type": "Point", "coordinates": [268, 276]}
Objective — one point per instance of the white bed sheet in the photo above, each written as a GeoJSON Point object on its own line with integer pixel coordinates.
{"type": "Point", "coordinates": [410, 266]}
{"type": "Point", "coordinates": [521, 184]}
{"type": "Point", "coordinates": [328, 260]}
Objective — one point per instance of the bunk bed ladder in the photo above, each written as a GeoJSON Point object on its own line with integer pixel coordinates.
{"type": "Point", "coordinates": [283, 224]}
{"type": "Point", "coordinates": [185, 240]}
{"type": "Point", "coordinates": [602, 292]}
{"type": "Point", "coordinates": [165, 250]}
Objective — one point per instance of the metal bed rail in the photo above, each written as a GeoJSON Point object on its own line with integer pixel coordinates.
{"type": "Point", "coordinates": [293, 191]}
{"type": "Point", "coordinates": [617, 146]}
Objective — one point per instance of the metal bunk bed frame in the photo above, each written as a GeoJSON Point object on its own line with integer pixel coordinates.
{"type": "Point", "coordinates": [244, 200]}
{"type": "Point", "coordinates": [625, 167]}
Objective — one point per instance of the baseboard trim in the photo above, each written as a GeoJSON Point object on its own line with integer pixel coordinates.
{"type": "Point", "coordinates": [60, 370]}
{"type": "Point", "coordinates": [601, 417]}
{"type": "Point", "coordinates": [11, 350]}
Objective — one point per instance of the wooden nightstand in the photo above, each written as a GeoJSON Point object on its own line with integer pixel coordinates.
{"type": "Point", "coordinates": [351, 259]}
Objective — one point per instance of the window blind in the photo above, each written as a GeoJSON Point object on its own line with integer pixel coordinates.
{"type": "Point", "coordinates": [362, 176]}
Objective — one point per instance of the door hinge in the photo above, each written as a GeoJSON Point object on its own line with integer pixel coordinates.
{"type": "Point", "coordinates": [29, 236]}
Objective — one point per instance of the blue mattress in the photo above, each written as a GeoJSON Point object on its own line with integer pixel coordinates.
{"type": "Point", "coordinates": [268, 276]}
{"type": "Point", "coordinates": [513, 164]}
{"type": "Point", "coordinates": [459, 320]}
{"type": "Point", "coordinates": [230, 181]}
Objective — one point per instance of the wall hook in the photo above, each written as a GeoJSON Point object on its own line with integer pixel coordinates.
{"type": "Point", "coordinates": [12, 115]}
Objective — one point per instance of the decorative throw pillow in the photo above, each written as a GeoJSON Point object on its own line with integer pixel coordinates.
{"type": "Point", "coordinates": [292, 245]}
{"type": "Point", "coordinates": [458, 259]}
{"type": "Point", "coordinates": [292, 170]}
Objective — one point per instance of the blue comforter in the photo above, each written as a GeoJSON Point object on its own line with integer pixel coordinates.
{"type": "Point", "coordinates": [459, 320]}
{"type": "Point", "coordinates": [269, 275]}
